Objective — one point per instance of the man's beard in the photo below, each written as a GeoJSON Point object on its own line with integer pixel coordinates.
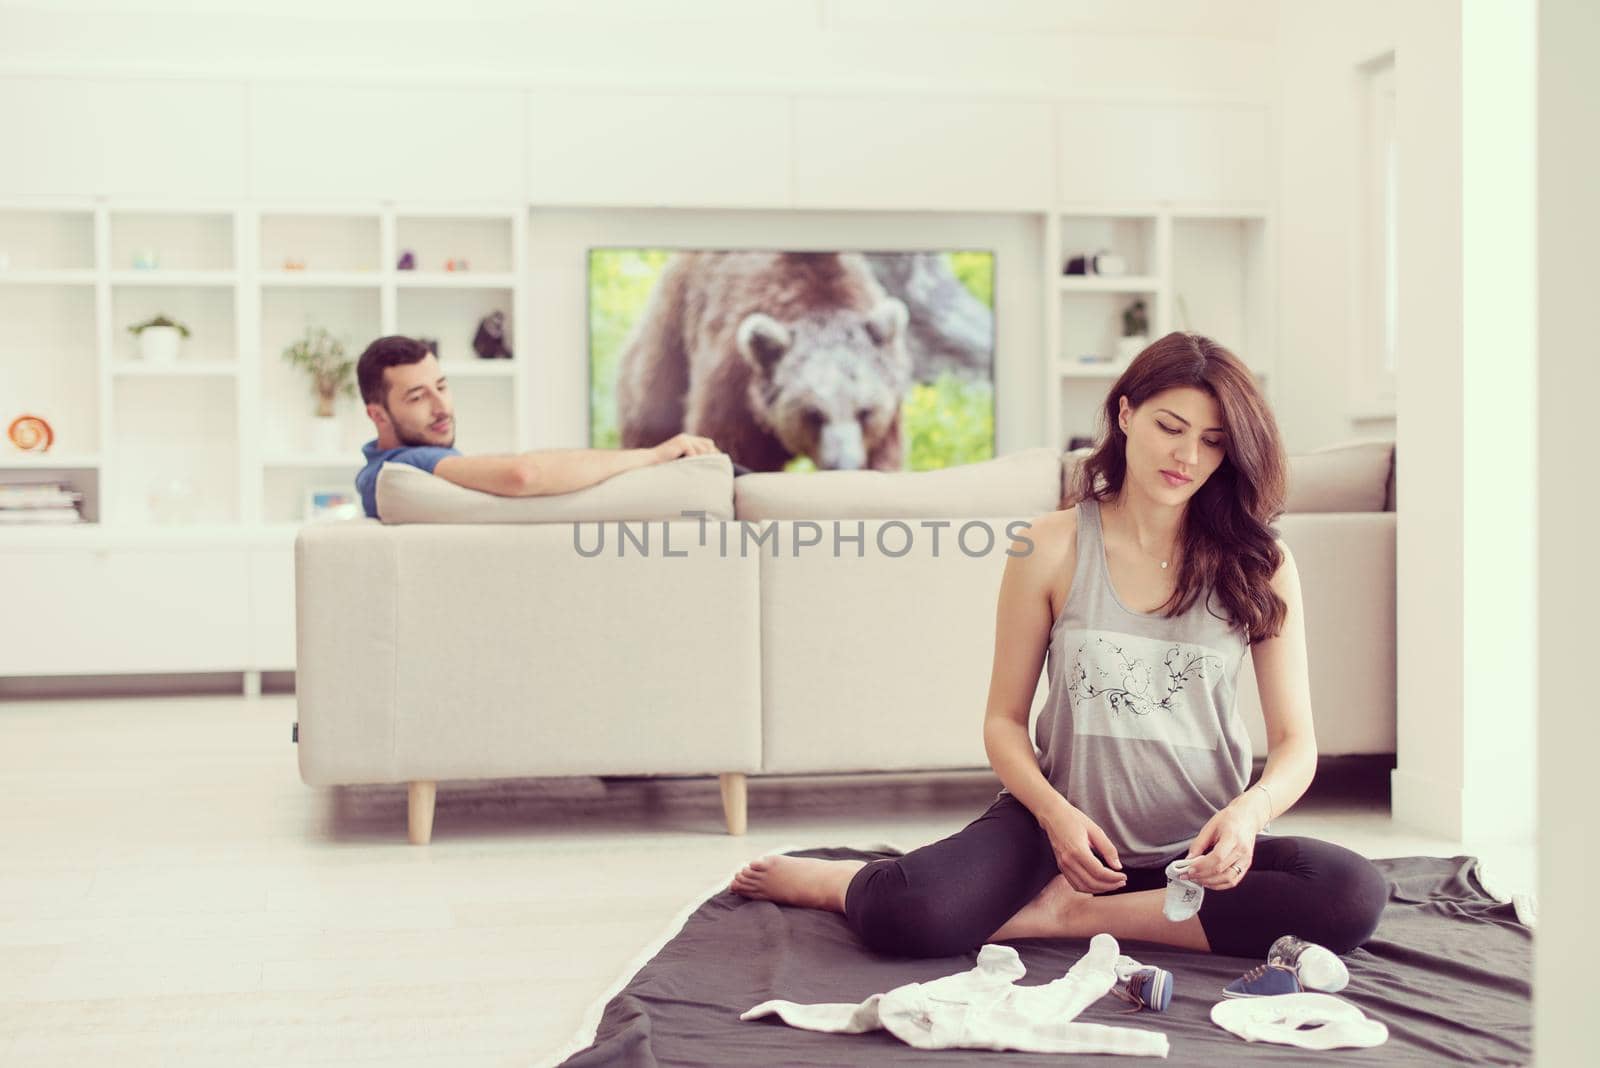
{"type": "Point", "coordinates": [406, 437]}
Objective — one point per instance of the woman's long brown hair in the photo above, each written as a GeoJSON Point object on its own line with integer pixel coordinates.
{"type": "Point", "coordinates": [1228, 540]}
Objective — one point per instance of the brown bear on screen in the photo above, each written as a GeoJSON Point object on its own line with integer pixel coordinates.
{"type": "Point", "coordinates": [770, 355]}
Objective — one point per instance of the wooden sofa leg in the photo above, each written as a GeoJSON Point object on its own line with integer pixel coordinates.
{"type": "Point", "coordinates": [419, 812]}
{"type": "Point", "coordinates": [733, 801]}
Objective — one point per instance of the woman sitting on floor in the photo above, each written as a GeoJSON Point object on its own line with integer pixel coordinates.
{"type": "Point", "coordinates": [1146, 592]}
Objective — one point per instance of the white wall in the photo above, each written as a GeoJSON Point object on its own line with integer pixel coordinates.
{"type": "Point", "coordinates": [1569, 381]}
{"type": "Point", "coordinates": [1320, 178]}
{"type": "Point", "coordinates": [1155, 47]}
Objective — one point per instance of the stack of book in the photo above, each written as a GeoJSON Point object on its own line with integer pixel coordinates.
{"type": "Point", "coordinates": [55, 503]}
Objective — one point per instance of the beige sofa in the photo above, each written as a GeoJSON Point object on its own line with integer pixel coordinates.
{"type": "Point", "coordinates": [810, 623]}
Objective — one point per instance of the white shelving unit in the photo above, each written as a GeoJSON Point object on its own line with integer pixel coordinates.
{"type": "Point", "coordinates": [230, 420]}
{"type": "Point", "coordinates": [194, 474]}
{"type": "Point", "coordinates": [1207, 269]}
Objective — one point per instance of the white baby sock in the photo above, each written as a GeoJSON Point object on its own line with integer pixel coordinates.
{"type": "Point", "coordinates": [1183, 897]}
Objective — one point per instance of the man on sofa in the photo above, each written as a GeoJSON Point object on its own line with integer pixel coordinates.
{"type": "Point", "coordinates": [408, 399]}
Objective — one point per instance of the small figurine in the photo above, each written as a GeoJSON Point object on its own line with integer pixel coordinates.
{"type": "Point", "coordinates": [490, 341]}
{"type": "Point", "coordinates": [456, 265]}
{"type": "Point", "coordinates": [408, 261]}
{"type": "Point", "coordinates": [146, 259]}
{"type": "Point", "coordinates": [292, 264]}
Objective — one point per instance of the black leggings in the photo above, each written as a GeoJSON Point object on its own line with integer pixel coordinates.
{"type": "Point", "coordinates": [949, 896]}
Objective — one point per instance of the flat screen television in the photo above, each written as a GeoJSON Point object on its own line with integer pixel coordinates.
{"type": "Point", "coordinates": [795, 360]}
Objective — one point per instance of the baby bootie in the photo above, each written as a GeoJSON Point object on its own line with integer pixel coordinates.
{"type": "Point", "coordinates": [1143, 986]}
{"type": "Point", "coordinates": [1183, 897]}
{"type": "Point", "coordinates": [1317, 967]}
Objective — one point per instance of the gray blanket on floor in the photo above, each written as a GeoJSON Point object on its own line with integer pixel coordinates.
{"type": "Point", "coordinates": [1449, 971]}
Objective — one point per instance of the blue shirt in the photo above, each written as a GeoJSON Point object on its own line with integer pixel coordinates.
{"type": "Point", "coordinates": [423, 456]}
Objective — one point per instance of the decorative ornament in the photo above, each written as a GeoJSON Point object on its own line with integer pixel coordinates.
{"type": "Point", "coordinates": [490, 340]}
{"type": "Point", "coordinates": [457, 265]}
{"type": "Point", "coordinates": [408, 261]}
{"type": "Point", "coordinates": [31, 434]}
{"type": "Point", "coordinates": [290, 263]}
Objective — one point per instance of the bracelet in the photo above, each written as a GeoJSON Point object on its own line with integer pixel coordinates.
{"type": "Point", "coordinates": [1263, 788]}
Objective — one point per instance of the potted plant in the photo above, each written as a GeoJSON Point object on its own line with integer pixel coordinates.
{"type": "Point", "coordinates": [159, 338]}
{"type": "Point", "coordinates": [322, 357]}
{"type": "Point", "coordinates": [1135, 332]}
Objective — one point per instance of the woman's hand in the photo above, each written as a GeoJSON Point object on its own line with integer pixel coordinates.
{"type": "Point", "coordinates": [1074, 837]}
{"type": "Point", "coordinates": [1226, 845]}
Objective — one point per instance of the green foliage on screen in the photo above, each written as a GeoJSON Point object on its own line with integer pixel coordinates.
{"type": "Point", "coordinates": [620, 281]}
{"type": "Point", "coordinates": [975, 270]}
{"type": "Point", "coordinates": [948, 421]}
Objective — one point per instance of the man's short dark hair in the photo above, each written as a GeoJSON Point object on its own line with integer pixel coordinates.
{"type": "Point", "coordinates": [391, 351]}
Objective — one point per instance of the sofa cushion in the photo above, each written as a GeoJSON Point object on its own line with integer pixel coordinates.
{"type": "Point", "coordinates": [1070, 462]}
{"type": "Point", "coordinates": [1025, 483]}
{"type": "Point", "coordinates": [1350, 477]}
{"type": "Point", "coordinates": [408, 494]}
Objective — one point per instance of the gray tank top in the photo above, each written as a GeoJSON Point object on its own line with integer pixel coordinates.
{"type": "Point", "coordinates": [1141, 731]}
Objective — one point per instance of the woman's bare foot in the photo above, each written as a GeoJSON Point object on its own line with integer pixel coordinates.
{"type": "Point", "coordinates": [804, 881]}
{"type": "Point", "coordinates": [1048, 915]}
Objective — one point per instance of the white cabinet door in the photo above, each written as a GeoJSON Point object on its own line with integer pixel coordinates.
{"type": "Point", "coordinates": [361, 142]}
{"type": "Point", "coordinates": [124, 611]}
{"type": "Point", "coordinates": [148, 138]}
{"type": "Point", "coordinates": [1161, 151]}
{"type": "Point", "coordinates": [272, 609]}
{"type": "Point", "coordinates": [658, 149]}
{"type": "Point", "coordinates": [915, 151]}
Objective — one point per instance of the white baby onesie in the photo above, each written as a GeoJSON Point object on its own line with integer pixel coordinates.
{"type": "Point", "coordinates": [1309, 1020]}
{"type": "Point", "coordinates": [983, 1009]}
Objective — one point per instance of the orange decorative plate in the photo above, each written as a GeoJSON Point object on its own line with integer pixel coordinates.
{"type": "Point", "coordinates": [31, 434]}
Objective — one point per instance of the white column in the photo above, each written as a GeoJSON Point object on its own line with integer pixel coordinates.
{"type": "Point", "coordinates": [1429, 594]}
{"type": "Point", "coordinates": [1569, 385]}
{"type": "Point", "coordinates": [1467, 422]}
{"type": "Point", "coordinates": [1499, 420]}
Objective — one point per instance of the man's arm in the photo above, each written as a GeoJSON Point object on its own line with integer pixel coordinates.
{"type": "Point", "coordinates": [547, 471]}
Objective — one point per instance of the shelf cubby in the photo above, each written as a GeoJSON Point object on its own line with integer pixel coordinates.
{"type": "Point", "coordinates": [49, 366]}
{"type": "Point", "coordinates": [485, 242]}
{"type": "Point", "coordinates": [1133, 237]}
{"type": "Point", "coordinates": [285, 487]}
{"type": "Point", "coordinates": [175, 450]}
{"type": "Point", "coordinates": [46, 241]}
{"type": "Point", "coordinates": [321, 243]}
{"type": "Point", "coordinates": [451, 317]}
{"type": "Point", "coordinates": [288, 404]}
{"type": "Point", "coordinates": [178, 241]}
{"type": "Point", "coordinates": [80, 474]}
{"type": "Point", "coordinates": [209, 312]}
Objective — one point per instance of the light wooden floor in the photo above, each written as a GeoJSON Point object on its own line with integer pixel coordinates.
{"type": "Point", "coordinates": [171, 893]}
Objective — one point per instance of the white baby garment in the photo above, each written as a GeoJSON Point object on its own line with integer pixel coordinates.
{"type": "Point", "coordinates": [1309, 1020]}
{"type": "Point", "coordinates": [1183, 897]}
{"type": "Point", "coordinates": [982, 1009]}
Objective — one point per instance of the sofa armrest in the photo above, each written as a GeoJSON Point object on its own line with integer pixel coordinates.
{"type": "Point", "coordinates": [347, 592]}
{"type": "Point", "coordinates": [1346, 562]}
